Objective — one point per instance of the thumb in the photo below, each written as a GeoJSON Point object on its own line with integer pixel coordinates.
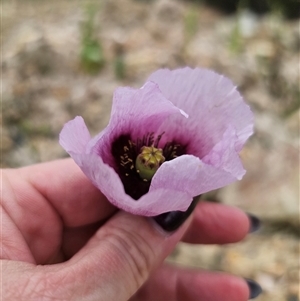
{"type": "Point", "coordinates": [120, 257]}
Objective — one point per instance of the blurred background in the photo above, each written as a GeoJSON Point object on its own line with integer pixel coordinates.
{"type": "Point", "coordinates": [65, 58]}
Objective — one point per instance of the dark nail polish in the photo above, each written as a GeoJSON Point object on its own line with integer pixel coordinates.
{"type": "Point", "coordinates": [255, 222]}
{"type": "Point", "coordinates": [255, 289]}
{"type": "Point", "coordinates": [171, 221]}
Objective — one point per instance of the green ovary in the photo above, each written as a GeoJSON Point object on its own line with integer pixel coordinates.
{"type": "Point", "coordinates": [148, 162]}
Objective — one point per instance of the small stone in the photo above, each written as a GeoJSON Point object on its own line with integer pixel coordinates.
{"type": "Point", "coordinates": [266, 281]}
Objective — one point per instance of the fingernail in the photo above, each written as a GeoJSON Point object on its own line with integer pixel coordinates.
{"type": "Point", "coordinates": [255, 222]}
{"type": "Point", "coordinates": [255, 289]}
{"type": "Point", "coordinates": [171, 221]}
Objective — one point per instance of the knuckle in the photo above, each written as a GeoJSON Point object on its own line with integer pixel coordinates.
{"type": "Point", "coordinates": [136, 254]}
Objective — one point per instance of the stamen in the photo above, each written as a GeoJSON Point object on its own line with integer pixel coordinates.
{"type": "Point", "coordinates": [158, 139]}
{"type": "Point", "coordinates": [136, 161]}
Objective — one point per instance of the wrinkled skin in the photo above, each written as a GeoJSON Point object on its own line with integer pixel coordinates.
{"type": "Point", "coordinates": [62, 240]}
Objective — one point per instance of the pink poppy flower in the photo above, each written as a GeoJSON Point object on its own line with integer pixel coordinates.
{"type": "Point", "coordinates": [177, 137]}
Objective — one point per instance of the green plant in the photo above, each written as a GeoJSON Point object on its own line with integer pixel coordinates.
{"type": "Point", "coordinates": [190, 24]}
{"type": "Point", "coordinates": [119, 62]}
{"type": "Point", "coordinates": [91, 55]}
{"type": "Point", "coordinates": [235, 39]}
{"type": "Point", "coordinates": [119, 67]}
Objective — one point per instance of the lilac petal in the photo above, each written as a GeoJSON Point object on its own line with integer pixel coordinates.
{"type": "Point", "coordinates": [189, 174]}
{"type": "Point", "coordinates": [108, 182]}
{"type": "Point", "coordinates": [74, 136]}
{"type": "Point", "coordinates": [224, 156]}
{"type": "Point", "coordinates": [164, 200]}
{"type": "Point", "coordinates": [142, 110]}
{"type": "Point", "coordinates": [219, 123]}
{"type": "Point", "coordinates": [135, 112]}
{"type": "Point", "coordinates": [212, 103]}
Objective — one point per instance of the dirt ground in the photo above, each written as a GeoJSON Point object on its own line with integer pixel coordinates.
{"type": "Point", "coordinates": [59, 60]}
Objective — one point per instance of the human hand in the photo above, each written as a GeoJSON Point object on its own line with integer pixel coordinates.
{"type": "Point", "coordinates": [62, 240]}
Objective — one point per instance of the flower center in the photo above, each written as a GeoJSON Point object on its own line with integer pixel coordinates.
{"type": "Point", "coordinates": [136, 161]}
{"type": "Point", "coordinates": [148, 162]}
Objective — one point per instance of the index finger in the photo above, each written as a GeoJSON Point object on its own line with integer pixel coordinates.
{"type": "Point", "coordinates": [217, 224]}
{"type": "Point", "coordinates": [69, 191]}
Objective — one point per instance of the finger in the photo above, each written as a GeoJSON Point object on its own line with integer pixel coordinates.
{"type": "Point", "coordinates": [36, 226]}
{"type": "Point", "coordinates": [120, 257]}
{"type": "Point", "coordinates": [176, 284]}
{"type": "Point", "coordinates": [38, 198]}
{"type": "Point", "coordinates": [13, 244]}
{"type": "Point", "coordinates": [75, 238]}
{"type": "Point", "coordinates": [69, 191]}
{"type": "Point", "coordinates": [217, 224]}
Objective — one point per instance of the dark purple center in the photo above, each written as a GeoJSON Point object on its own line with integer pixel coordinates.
{"type": "Point", "coordinates": [125, 150]}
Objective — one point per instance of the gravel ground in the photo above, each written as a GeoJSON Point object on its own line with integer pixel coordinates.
{"type": "Point", "coordinates": [47, 79]}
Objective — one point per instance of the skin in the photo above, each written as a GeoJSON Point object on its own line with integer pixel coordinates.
{"type": "Point", "coordinates": [62, 240]}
